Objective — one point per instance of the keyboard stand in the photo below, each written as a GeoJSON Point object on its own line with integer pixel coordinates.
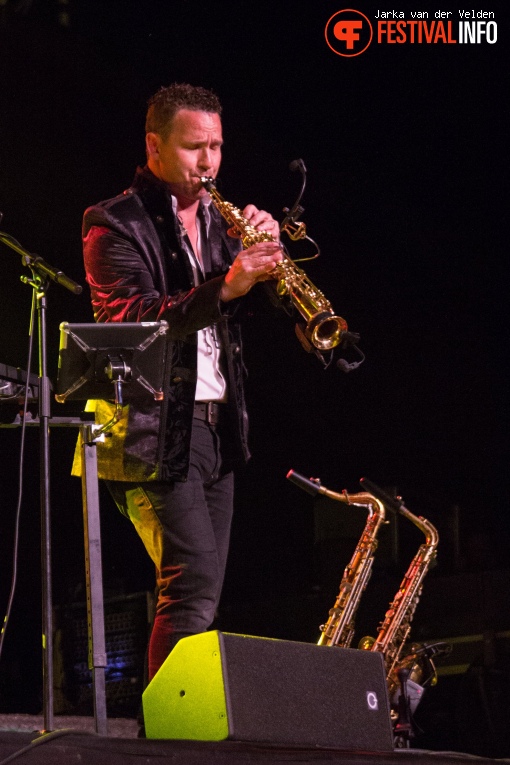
{"type": "Point", "coordinates": [97, 659]}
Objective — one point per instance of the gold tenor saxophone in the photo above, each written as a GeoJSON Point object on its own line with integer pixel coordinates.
{"type": "Point", "coordinates": [323, 328]}
{"type": "Point", "coordinates": [393, 634]}
{"type": "Point", "coordinates": [394, 631]}
{"type": "Point", "coordinates": [340, 626]}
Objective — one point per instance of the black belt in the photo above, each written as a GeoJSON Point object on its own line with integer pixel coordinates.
{"type": "Point", "coordinates": [209, 411]}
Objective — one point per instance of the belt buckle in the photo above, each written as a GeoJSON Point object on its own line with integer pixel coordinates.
{"type": "Point", "coordinates": [211, 413]}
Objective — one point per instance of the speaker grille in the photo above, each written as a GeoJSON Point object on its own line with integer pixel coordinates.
{"type": "Point", "coordinates": [219, 685]}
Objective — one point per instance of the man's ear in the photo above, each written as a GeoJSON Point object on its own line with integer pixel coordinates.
{"type": "Point", "coordinates": [152, 142]}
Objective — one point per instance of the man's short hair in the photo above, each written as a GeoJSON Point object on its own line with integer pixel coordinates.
{"type": "Point", "coordinates": [164, 105]}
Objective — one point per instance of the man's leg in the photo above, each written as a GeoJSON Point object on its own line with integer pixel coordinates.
{"type": "Point", "coordinates": [185, 528]}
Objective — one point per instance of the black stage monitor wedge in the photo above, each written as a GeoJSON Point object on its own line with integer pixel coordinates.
{"type": "Point", "coordinates": [91, 353]}
{"type": "Point", "coordinates": [217, 686]}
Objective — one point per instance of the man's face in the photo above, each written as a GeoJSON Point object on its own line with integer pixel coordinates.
{"type": "Point", "coordinates": [191, 150]}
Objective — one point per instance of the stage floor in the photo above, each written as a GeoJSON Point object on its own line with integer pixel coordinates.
{"type": "Point", "coordinates": [118, 727]}
{"type": "Point", "coordinates": [74, 741]}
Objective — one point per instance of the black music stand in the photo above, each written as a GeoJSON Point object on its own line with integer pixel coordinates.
{"type": "Point", "coordinates": [96, 360]}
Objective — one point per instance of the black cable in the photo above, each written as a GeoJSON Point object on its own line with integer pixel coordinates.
{"type": "Point", "coordinates": [20, 486]}
{"type": "Point", "coordinates": [42, 740]}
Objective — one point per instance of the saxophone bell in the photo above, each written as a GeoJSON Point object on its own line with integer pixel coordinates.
{"type": "Point", "coordinates": [326, 330]}
{"type": "Point", "coordinates": [366, 643]}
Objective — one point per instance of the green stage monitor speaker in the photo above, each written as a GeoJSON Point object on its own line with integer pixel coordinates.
{"type": "Point", "coordinates": [217, 686]}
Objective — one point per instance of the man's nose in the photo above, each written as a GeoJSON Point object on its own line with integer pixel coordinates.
{"type": "Point", "coordinates": [205, 158]}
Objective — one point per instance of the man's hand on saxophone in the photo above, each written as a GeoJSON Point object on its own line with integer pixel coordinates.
{"type": "Point", "coordinates": [262, 221]}
{"type": "Point", "coordinates": [256, 263]}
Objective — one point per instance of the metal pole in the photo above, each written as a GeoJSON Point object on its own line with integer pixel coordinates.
{"type": "Point", "coordinates": [44, 438]}
{"type": "Point", "coordinates": [97, 659]}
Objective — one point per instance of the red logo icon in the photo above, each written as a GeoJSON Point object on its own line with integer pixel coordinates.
{"type": "Point", "coordinates": [348, 32]}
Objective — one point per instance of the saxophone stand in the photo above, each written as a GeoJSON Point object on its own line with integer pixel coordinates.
{"type": "Point", "coordinates": [42, 273]}
{"type": "Point", "coordinates": [403, 730]}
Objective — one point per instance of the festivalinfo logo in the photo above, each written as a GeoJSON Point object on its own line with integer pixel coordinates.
{"type": "Point", "coordinates": [350, 32]}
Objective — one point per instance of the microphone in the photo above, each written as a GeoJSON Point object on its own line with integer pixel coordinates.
{"type": "Point", "coordinates": [35, 262]}
{"type": "Point", "coordinates": [58, 276]}
{"type": "Point", "coordinates": [346, 366]}
{"type": "Point", "coordinates": [297, 164]}
{"type": "Point", "coordinates": [289, 224]}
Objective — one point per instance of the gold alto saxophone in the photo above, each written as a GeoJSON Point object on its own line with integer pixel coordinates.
{"type": "Point", "coordinates": [323, 328]}
{"type": "Point", "coordinates": [340, 626]}
{"type": "Point", "coordinates": [392, 637]}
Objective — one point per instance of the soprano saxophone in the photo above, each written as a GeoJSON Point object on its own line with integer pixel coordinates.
{"type": "Point", "coordinates": [340, 626]}
{"type": "Point", "coordinates": [323, 328]}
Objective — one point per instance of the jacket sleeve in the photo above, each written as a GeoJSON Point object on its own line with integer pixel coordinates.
{"type": "Point", "coordinates": [125, 273]}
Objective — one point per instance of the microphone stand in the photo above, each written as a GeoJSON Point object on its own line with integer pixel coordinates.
{"type": "Point", "coordinates": [42, 272]}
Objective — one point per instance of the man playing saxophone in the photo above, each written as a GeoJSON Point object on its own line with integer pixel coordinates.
{"type": "Point", "coordinates": [161, 251]}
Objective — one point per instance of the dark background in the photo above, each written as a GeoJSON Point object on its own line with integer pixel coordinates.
{"type": "Point", "coordinates": [405, 147]}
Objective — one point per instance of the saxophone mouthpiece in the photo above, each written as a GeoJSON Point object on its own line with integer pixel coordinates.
{"type": "Point", "coordinates": [310, 485]}
{"type": "Point", "coordinates": [207, 182]}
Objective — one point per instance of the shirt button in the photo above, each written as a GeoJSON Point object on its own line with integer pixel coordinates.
{"type": "Point", "coordinates": [160, 219]}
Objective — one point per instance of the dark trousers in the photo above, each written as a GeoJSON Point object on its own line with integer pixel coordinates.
{"type": "Point", "coordinates": [185, 528]}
